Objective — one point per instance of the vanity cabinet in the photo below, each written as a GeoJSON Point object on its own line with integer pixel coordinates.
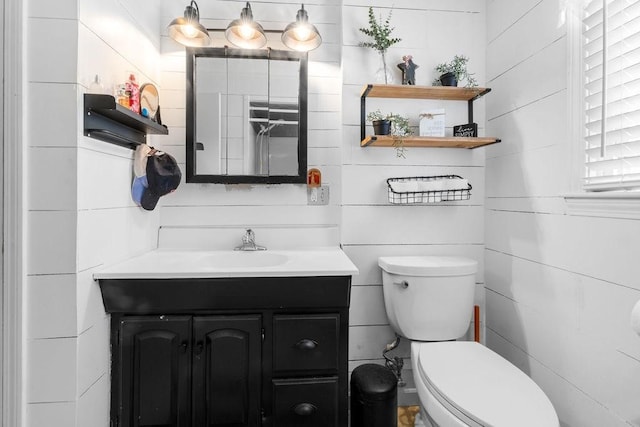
{"type": "Point", "coordinates": [173, 365]}
{"type": "Point", "coordinates": [235, 352]}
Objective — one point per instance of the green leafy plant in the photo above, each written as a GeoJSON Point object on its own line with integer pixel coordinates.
{"type": "Point", "coordinates": [380, 31]}
{"type": "Point", "coordinates": [399, 128]}
{"type": "Point", "coordinates": [374, 116]}
{"type": "Point", "coordinates": [399, 125]}
{"type": "Point", "coordinates": [458, 67]}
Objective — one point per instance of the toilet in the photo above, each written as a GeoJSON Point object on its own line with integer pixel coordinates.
{"type": "Point", "coordinates": [429, 300]}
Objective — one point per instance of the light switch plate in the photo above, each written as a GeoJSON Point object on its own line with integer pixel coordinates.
{"type": "Point", "coordinates": [318, 195]}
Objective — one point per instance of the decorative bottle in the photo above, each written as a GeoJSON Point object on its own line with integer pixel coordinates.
{"type": "Point", "coordinates": [134, 94]}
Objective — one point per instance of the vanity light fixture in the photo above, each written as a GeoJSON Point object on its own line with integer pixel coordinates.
{"type": "Point", "coordinates": [188, 30]}
{"type": "Point", "coordinates": [301, 35]}
{"type": "Point", "coordinates": [245, 32]}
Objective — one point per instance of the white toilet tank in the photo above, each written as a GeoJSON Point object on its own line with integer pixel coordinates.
{"type": "Point", "coordinates": [428, 298]}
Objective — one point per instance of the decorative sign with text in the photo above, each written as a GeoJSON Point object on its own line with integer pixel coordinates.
{"type": "Point", "coordinates": [432, 123]}
{"type": "Point", "coordinates": [468, 130]}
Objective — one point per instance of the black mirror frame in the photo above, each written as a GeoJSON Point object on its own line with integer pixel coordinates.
{"type": "Point", "coordinates": [191, 55]}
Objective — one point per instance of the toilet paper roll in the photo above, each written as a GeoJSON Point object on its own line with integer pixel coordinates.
{"type": "Point", "coordinates": [635, 318]}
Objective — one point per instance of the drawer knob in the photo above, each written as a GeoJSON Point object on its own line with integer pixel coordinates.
{"type": "Point", "coordinates": [304, 409]}
{"type": "Point", "coordinates": [306, 344]}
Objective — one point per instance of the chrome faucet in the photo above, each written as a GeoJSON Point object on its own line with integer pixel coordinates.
{"type": "Point", "coordinates": [249, 242]}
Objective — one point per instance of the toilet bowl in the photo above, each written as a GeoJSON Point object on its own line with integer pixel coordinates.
{"type": "Point", "coordinates": [429, 300]}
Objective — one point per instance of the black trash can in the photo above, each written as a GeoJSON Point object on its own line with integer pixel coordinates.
{"type": "Point", "coordinates": [374, 397]}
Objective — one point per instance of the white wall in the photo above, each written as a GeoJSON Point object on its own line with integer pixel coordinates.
{"type": "Point", "coordinates": [207, 205]}
{"type": "Point", "coordinates": [337, 72]}
{"type": "Point", "coordinates": [560, 284]}
{"type": "Point", "coordinates": [371, 227]}
{"type": "Point", "coordinates": [80, 213]}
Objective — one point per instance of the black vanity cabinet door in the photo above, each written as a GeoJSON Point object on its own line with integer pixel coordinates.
{"type": "Point", "coordinates": [227, 371]}
{"type": "Point", "coordinates": [155, 361]}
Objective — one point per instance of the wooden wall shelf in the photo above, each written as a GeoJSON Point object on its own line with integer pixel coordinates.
{"type": "Point", "coordinates": [423, 92]}
{"type": "Point", "coordinates": [428, 141]}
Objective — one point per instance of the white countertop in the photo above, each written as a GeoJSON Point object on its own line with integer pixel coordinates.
{"type": "Point", "coordinates": [181, 264]}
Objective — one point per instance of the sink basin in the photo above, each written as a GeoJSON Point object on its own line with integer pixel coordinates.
{"type": "Point", "coordinates": [243, 259]}
{"type": "Point", "coordinates": [193, 264]}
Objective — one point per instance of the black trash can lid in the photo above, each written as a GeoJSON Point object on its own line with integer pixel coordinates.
{"type": "Point", "coordinates": [374, 382]}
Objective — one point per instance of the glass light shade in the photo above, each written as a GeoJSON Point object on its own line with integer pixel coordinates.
{"type": "Point", "coordinates": [245, 32]}
{"type": "Point", "coordinates": [188, 30]}
{"type": "Point", "coordinates": [301, 35]}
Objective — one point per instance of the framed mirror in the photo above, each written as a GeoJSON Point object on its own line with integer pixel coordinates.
{"type": "Point", "coordinates": [246, 116]}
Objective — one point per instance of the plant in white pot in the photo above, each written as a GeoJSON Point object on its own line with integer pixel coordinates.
{"type": "Point", "coordinates": [453, 72]}
{"type": "Point", "coordinates": [391, 124]}
{"type": "Point", "coordinates": [380, 32]}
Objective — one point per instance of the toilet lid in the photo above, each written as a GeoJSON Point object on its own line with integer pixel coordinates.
{"type": "Point", "coordinates": [481, 387]}
{"type": "Point", "coordinates": [428, 265]}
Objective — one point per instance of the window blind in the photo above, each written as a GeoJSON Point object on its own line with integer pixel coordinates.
{"type": "Point", "coordinates": [611, 58]}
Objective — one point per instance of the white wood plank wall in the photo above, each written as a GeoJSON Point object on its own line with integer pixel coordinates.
{"type": "Point", "coordinates": [371, 227]}
{"type": "Point", "coordinates": [80, 212]}
{"type": "Point", "coordinates": [203, 205]}
{"type": "Point", "coordinates": [559, 286]}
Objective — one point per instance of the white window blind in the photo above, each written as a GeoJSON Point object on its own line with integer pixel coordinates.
{"type": "Point", "coordinates": [611, 49]}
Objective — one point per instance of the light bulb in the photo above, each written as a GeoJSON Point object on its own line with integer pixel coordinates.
{"type": "Point", "coordinates": [189, 31]}
{"type": "Point", "coordinates": [302, 32]}
{"type": "Point", "coordinates": [246, 32]}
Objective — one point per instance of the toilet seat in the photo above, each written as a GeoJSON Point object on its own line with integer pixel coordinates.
{"type": "Point", "coordinates": [480, 387]}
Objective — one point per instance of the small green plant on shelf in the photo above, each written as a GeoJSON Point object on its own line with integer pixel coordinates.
{"type": "Point", "coordinates": [399, 129]}
{"type": "Point", "coordinates": [375, 116]}
{"type": "Point", "coordinates": [391, 124]}
{"type": "Point", "coordinates": [453, 72]}
{"type": "Point", "coordinates": [380, 32]}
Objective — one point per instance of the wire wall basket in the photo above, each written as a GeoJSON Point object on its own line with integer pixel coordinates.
{"type": "Point", "coordinates": [428, 189]}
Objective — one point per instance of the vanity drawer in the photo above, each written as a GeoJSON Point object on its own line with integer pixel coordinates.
{"type": "Point", "coordinates": [306, 343]}
{"type": "Point", "coordinates": [305, 403]}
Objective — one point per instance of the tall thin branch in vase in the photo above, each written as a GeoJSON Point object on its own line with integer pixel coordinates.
{"type": "Point", "coordinates": [380, 32]}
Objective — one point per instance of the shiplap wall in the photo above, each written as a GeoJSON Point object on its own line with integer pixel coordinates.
{"type": "Point", "coordinates": [80, 213]}
{"type": "Point", "coordinates": [337, 71]}
{"type": "Point", "coordinates": [370, 226]}
{"type": "Point", "coordinates": [206, 205]}
{"type": "Point", "coordinates": [81, 217]}
{"type": "Point", "coordinates": [560, 285]}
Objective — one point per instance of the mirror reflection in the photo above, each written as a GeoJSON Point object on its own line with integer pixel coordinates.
{"type": "Point", "coordinates": [246, 116]}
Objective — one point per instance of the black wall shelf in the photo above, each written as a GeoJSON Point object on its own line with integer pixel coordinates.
{"type": "Point", "coordinates": [108, 121]}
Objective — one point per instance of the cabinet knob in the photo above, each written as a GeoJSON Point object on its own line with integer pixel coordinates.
{"type": "Point", "coordinates": [199, 347]}
{"type": "Point", "coordinates": [304, 409]}
{"type": "Point", "coordinates": [183, 346]}
{"type": "Point", "coordinates": [306, 344]}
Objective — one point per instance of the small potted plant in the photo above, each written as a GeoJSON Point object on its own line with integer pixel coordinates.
{"type": "Point", "coordinates": [380, 32]}
{"type": "Point", "coordinates": [391, 124]}
{"type": "Point", "coordinates": [381, 123]}
{"type": "Point", "coordinates": [453, 72]}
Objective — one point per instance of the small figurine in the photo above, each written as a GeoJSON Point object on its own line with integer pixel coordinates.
{"type": "Point", "coordinates": [408, 70]}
